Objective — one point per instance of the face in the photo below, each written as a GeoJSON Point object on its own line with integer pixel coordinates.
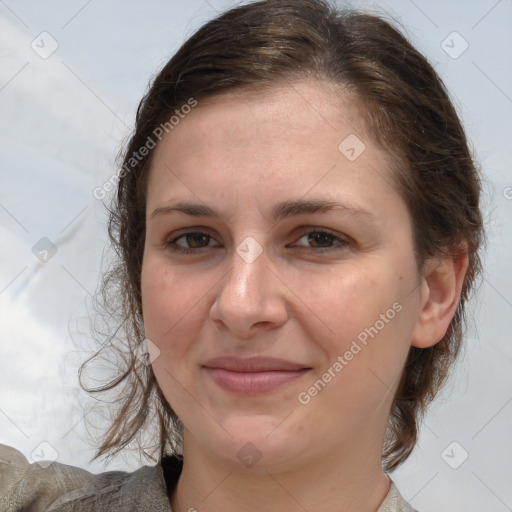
{"type": "Point", "coordinates": [266, 265]}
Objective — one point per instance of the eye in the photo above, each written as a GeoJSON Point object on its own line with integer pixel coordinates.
{"type": "Point", "coordinates": [196, 240]}
{"type": "Point", "coordinates": [323, 240]}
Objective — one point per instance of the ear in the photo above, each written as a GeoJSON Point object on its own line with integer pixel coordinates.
{"type": "Point", "coordinates": [439, 298]}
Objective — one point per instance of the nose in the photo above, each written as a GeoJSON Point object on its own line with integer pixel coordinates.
{"type": "Point", "coordinates": [251, 297]}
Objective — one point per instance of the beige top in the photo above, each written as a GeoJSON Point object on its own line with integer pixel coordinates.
{"type": "Point", "coordinates": [39, 487]}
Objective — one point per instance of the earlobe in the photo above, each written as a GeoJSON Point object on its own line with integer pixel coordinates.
{"type": "Point", "coordinates": [440, 294]}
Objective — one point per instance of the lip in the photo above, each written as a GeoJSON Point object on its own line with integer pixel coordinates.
{"type": "Point", "coordinates": [253, 364]}
{"type": "Point", "coordinates": [253, 375]}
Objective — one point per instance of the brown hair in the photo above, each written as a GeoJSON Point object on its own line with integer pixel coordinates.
{"type": "Point", "coordinates": [407, 111]}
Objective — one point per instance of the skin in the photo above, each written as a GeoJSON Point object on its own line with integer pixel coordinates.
{"type": "Point", "coordinates": [242, 154]}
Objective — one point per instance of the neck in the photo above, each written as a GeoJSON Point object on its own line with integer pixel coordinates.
{"type": "Point", "coordinates": [343, 479]}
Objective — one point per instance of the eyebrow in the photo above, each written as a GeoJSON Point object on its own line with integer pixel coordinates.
{"type": "Point", "coordinates": [280, 211]}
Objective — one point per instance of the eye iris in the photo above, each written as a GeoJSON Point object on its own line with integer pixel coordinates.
{"type": "Point", "coordinates": [317, 238]}
{"type": "Point", "coordinates": [320, 238]}
{"type": "Point", "coordinates": [196, 237]}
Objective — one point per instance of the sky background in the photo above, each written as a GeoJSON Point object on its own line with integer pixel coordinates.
{"type": "Point", "coordinates": [71, 76]}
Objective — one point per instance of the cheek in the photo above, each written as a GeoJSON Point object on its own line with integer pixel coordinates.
{"type": "Point", "coordinates": [341, 305]}
{"type": "Point", "coordinates": [362, 316]}
{"type": "Point", "coordinates": [364, 348]}
{"type": "Point", "coordinates": [173, 305]}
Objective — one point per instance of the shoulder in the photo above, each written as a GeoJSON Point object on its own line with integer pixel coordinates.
{"type": "Point", "coordinates": [59, 487]}
{"type": "Point", "coordinates": [394, 502]}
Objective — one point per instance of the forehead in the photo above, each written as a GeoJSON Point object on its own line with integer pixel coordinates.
{"type": "Point", "coordinates": [256, 146]}
{"type": "Point", "coordinates": [306, 105]}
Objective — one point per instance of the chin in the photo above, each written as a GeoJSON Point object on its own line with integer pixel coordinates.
{"type": "Point", "coordinates": [257, 444]}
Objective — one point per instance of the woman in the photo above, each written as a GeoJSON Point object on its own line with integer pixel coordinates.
{"type": "Point", "coordinates": [298, 226]}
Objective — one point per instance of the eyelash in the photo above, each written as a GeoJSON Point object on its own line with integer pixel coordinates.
{"type": "Point", "coordinates": [171, 244]}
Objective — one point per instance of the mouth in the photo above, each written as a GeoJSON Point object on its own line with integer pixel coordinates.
{"type": "Point", "coordinates": [253, 375]}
